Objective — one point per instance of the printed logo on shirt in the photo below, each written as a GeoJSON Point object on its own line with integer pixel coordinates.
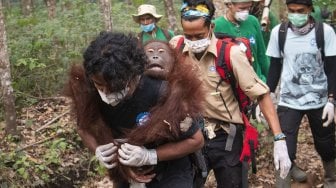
{"type": "Point", "coordinates": [313, 42]}
{"type": "Point", "coordinates": [212, 68]}
{"type": "Point", "coordinates": [142, 118]}
{"type": "Point", "coordinates": [252, 40]}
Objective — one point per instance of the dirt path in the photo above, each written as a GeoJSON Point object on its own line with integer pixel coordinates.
{"type": "Point", "coordinates": [74, 167]}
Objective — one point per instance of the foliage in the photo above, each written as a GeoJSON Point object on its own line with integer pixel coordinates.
{"type": "Point", "coordinates": [44, 158]}
{"type": "Point", "coordinates": [41, 50]}
{"type": "Point", "coordinates": [331, 4]}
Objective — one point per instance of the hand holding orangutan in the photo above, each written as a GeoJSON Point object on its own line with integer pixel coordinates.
{"type": "Point", "coordinates": [131, 155]}
{"type": "Point", "coordinates": [106, 154]}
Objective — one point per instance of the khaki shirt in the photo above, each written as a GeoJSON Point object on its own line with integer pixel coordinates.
{"type": "Point", "coordinates": [243, 72]}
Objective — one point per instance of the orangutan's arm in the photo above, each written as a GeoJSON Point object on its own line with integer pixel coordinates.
{"type": "Point", "coordinates": [88, 139]}
{"type": "Point", "coordinates": [181, 148]}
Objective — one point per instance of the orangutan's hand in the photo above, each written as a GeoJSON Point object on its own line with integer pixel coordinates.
{"type": "Point", "coordinates": [142, 174]}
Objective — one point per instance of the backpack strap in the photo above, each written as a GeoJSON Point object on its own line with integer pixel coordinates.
{"type": "Point", "coordinates": [166, 34]}
{"type": "Point", "coordinates": [319, 36]}
{"type": "Point", "coordinates": [140, 36]}
{"type": "Point", "coordinates": [164, 31]}
{"type": "Point", "coordinates": [223, 61]}
{"type": "Point", "coordinates": [282, 36]}
{"type": "Point", "coordinates": [180, 45]}
{"type": "Point", "coordinates": [224, 67]}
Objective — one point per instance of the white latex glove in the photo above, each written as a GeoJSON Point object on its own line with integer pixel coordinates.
{"type": "Point", "coordinates": [328, 112]}
{"type": "Point", "coordinates": [260, 116]}
{"type": "Point", "coordinates": [131, 155]}
{"type": "Point", "coordinates": [281, 158]}
{"type": "Point", "coordinates": [105, 154]}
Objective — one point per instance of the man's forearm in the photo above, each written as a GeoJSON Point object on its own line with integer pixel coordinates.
{"type": "Point", "coordinates": [267, 108]}
{"type": "Point", "coordinates": [181, 148]}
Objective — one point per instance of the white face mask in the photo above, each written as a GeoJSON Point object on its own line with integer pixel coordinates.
{"type": "Point", "coordinates": [198, 46]}
{"type": "Point", "coordinates": [113, 98]}
{"type": "Point", "coordinates": [241, 15]}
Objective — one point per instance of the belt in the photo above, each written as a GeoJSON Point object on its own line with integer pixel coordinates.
{"type": "Point", "coordinates": [213, 125]}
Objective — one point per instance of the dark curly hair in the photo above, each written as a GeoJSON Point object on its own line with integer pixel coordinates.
{"type": "Point", "coordinates": [193, 3]}
{"type": "Point", "coordinates": [118, 57]}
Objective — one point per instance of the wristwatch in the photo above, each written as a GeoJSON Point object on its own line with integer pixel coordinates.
{"type": "Point", "coordinates": [280, 136]}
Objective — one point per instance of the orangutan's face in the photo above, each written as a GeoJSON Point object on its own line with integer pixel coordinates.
{"type": "Point", "coordinates": [161, 59]}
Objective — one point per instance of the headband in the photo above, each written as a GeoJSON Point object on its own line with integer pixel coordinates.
{"type": "Point", "coordinates": [198, 11]}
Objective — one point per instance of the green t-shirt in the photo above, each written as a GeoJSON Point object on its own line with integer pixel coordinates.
{"type": "Point", "coordinates": [159, 35]}
{"type": "Point", "coordinates": [250, 29]}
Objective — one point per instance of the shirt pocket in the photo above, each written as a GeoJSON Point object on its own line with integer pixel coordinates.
{"type": "Point", "coordinates": [213, 79]}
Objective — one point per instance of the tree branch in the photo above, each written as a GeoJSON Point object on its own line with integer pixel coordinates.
{"type": "Point", "coordinates": [51, 121]}
{"type": "Point", "coordinates": [36, 143]}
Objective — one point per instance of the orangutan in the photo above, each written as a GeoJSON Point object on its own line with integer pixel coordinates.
{"type": "Point", "coordinates": [179, 104]}
{"type": "Point", "coordinates": [161, 59]}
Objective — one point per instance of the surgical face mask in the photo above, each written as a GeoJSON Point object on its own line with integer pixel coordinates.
{"type": "Point", "coordinates": [241, 15]}
{"type": "Point", "coordinates": [147, 28]}
{"type": "Point", "coordinates": [198, 46]}
{"type": "Point", "coordinates": [113, 98]}
{"type": "Point", "coordinates": [298, 20]}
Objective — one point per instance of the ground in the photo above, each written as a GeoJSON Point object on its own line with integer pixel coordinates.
{"type": "Point", "coordinates": [50, 150]}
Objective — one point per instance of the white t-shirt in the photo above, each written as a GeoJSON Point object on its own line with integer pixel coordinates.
{"type": "Point", "coordinates": [303, 80]}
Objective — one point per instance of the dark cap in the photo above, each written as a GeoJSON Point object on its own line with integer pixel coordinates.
{"type": "Point", "coordinates": [302, 2]}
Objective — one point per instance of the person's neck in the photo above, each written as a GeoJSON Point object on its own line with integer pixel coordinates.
{"type": "Point", "coordinates": [199, 55]}
{"type": "Point", "coordinates": [229, 16]}
{"type": "Point", "coordinates": [153, 31]}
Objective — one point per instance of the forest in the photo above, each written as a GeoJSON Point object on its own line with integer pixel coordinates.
{"type": "Point", "coordinates": [39, 41]}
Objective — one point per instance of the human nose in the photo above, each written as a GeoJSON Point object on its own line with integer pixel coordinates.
{"type": "Point", "coordinates": [147, 21]}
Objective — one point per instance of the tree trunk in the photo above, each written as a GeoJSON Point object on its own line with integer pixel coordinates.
{"type": "Point", "coordinates": [282, 10]}
{"type": "Point", "coordinates": [220, 7]}
{"type": "Point", "coordinates": [6, 83]}
{"type": "Point", "coordinates": [66, 5]}
{"type": "Point", "coordinates": [170, 13]}
{"type": "Point", "coordinates": [129, 2]}
{"type": "Point", "coordinates": [106, 10]}
{"type": "Point", "coordinates": [7, 4]}
{"type": "Point", "coordinates": [51, 5]}
{"type": "Point", "coordinates": [27, 7]}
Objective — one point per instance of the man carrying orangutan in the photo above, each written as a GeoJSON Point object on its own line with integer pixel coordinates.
{"type": "Point", "coordinates": [158, 119]}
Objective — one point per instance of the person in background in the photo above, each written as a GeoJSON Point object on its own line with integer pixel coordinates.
{"type": "Point", "coordinates": [257, 11]}
{"type": "Point", "coordinates": [237, 22]}
{"type": "Point", "coordinates": [148, 18]}
{"type": "Point", "coordinates": [307, 85]}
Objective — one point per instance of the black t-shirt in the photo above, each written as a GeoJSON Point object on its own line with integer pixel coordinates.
{"type": "Point", "coordinates": [124, 115]}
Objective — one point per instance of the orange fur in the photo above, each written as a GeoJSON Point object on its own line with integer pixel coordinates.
{"type": "Point", "coordinates": [184, 97]}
